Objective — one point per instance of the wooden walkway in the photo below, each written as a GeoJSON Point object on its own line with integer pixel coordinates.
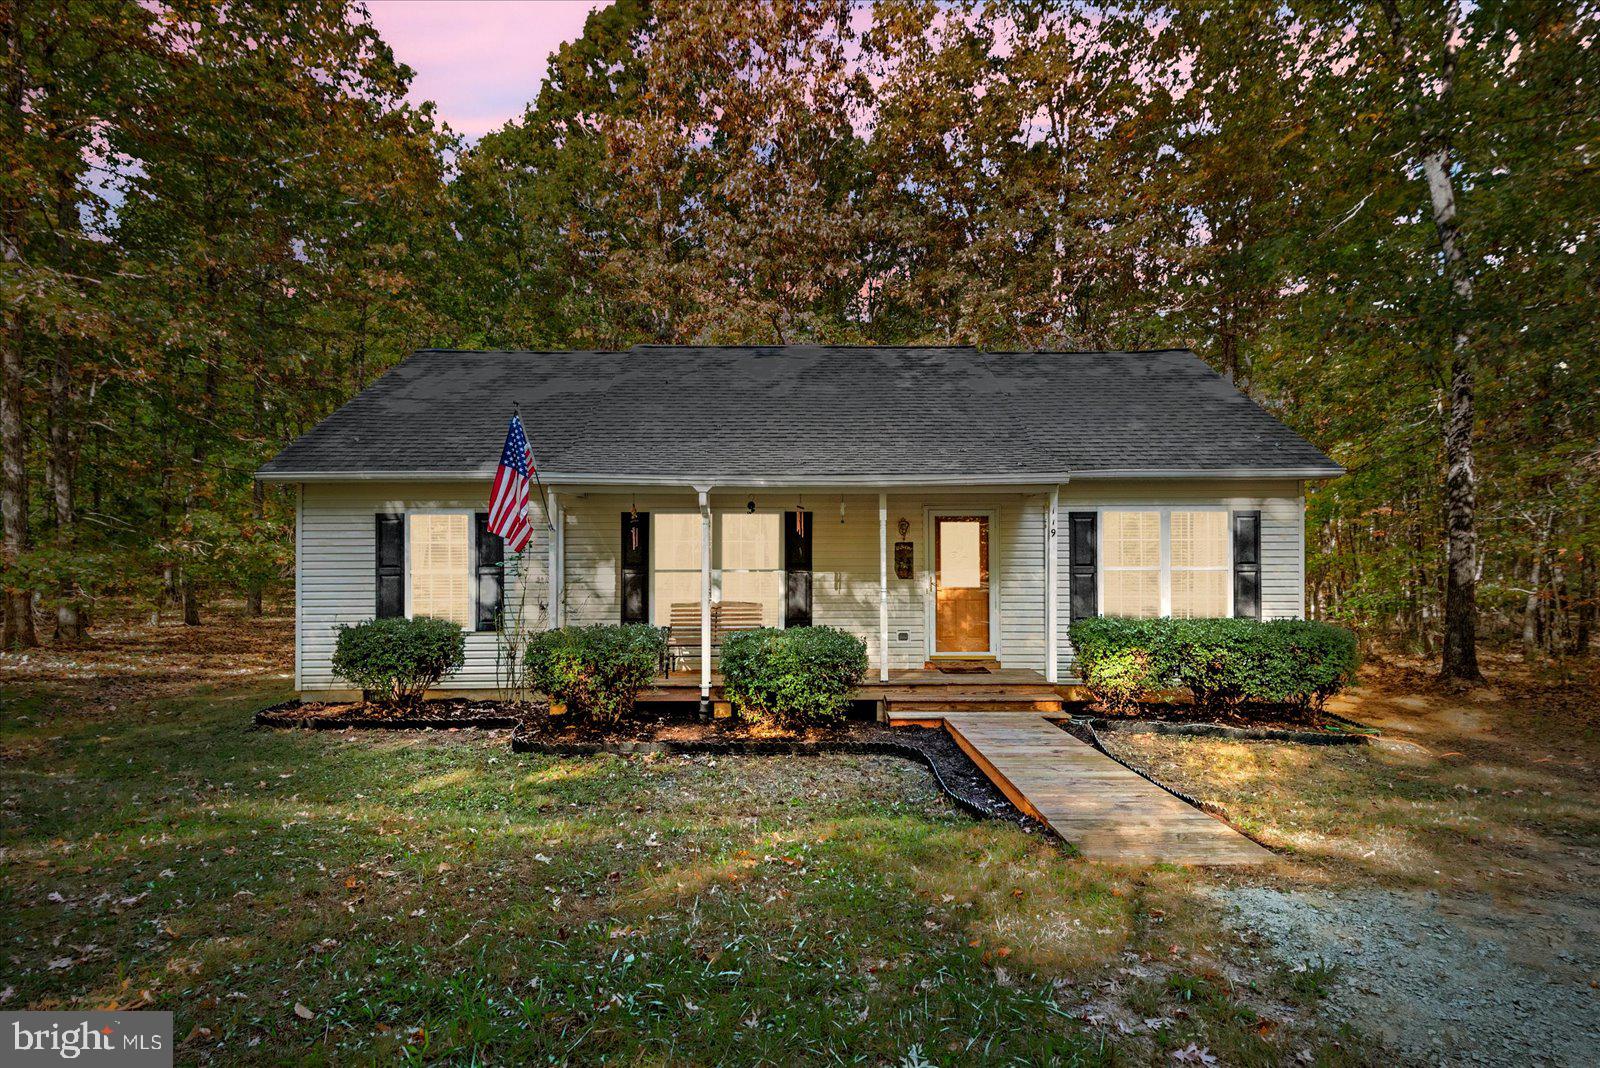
{"type": "Point", "coordinates": [1106, 811]}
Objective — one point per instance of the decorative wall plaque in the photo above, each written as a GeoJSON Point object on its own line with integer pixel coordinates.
{"type": "Point", "coordinates": [902, 559]}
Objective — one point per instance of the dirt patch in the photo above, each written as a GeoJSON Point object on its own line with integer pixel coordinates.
{"type": "Point", "coordinates": [444, 714]}
{"type": "Point", "coordinates": [1441, 979]}
{"type": "Point", "coordinates": [1244, 717]}
{"type": "Point", "coordinates": [130, 658]}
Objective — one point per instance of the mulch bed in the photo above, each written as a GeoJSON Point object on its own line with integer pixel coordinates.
{"type": "Point", "coordinates": [1272, 722]}
{"type": "Point", "coordinates": [648, 731]}
{"type": "Point", "coordinates": [1351, 734]}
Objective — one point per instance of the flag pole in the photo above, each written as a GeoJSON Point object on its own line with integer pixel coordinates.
{"type": "Point", "coordinates": [544, 498]}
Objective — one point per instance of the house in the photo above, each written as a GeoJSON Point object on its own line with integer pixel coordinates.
{"type": "Point", "coordinates": [945, 504]}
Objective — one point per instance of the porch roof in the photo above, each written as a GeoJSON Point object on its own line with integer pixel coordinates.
{"type": "Point", "coordinates": [804, 415]}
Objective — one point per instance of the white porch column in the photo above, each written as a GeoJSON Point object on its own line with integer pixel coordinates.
{"type": "Point", "coordinates": [553, 587]}
{"type": "Point", "coordinates": [1052, 564]}
{"type": "Point", "coordinates": [705, 598]}
{"type": "Point", "coordinates": [883, 586]}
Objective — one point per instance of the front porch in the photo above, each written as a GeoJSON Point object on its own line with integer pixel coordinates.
{"type": "Point", "coordinates": [921, 574]}
{"type": "Point", "coordinates": [913, 696]}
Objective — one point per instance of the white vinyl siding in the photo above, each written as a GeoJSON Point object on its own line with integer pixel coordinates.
{"type": "Point", "coordinates": [336, 567]}
{"type": "Point", "coordinates": [336, 570]}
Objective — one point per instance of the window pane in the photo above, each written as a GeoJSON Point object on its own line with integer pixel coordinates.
{"type": "Point", "coordinates": [764, 588]}
{"type": "Point", "coordinates": [1199, 539]}
{"type": "Point", "coordinates": [961, 562]}
{"type": "Point", "coordinates": [1200, 594]}
{"type": "Point", "coordinates": [441, 561]}
{"type": "Point", "coordinates": [1131, 539]}
{"type": "Point", "coordinates": [750, 541]}
{"type": "Point", "coordinates": [1133, 593]}
{"type": "Point", "coordinates": [675, 540]}
{"type": "Point", "coordinates": [669, 588]}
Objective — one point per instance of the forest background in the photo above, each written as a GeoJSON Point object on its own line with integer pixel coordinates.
{"type": "Point", "coordinates": [220, 222]}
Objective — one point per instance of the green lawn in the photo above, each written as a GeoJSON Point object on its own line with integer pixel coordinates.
{"type": "Point", "coordinates": [312, 896]}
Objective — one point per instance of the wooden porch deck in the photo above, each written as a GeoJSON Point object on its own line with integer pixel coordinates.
{"type": "Point", "coordinates": [916, 696]}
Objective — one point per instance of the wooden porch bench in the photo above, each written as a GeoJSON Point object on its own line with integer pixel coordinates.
{"type": "Point", "coordinates": [683, 628]}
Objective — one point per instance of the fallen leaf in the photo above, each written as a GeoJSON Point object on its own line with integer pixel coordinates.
{"type": "Point", "coordinates": [303, 1012]}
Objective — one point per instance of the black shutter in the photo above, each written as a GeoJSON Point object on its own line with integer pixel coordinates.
{"type": "Point", "coordinates": [635, 568]}
{"type": "Point", "coordinates": [491, 573]}
{"type": "Point", "coordinates": [391, 562]}
{"type": "Point", "coordinates": [797, 569]}
{"type": "Point", "coordinates": [1247, 565]}
{"type": "Point", "coordinates": [1085, 554]}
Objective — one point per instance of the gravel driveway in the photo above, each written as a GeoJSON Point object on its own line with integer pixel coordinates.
{"type": "Point", "coordinates": [1443, 980]}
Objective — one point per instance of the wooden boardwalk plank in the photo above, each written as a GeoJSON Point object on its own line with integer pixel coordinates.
{"type": "Point", "coordinates": [1102, 808]}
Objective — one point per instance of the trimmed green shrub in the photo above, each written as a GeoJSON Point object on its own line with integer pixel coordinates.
{"type": "Point", "coordinates": [1222, 662]}
{"type": "Point", "coordinates": [395, 661]}
{"type": "Point", "coordinates": [1121, 661]}
{"type": "Point", "coordinates": [792, 677]}
{"type": "Point", "coordinates": [598, 671]}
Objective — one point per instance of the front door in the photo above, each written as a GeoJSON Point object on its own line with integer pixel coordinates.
{"type": "Point", "coordinates": [961, 584]}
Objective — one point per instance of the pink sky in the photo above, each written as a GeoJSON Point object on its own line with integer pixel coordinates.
{"type": "Point", "coordinates": [480, 61]}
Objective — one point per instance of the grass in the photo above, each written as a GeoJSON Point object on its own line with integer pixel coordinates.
{"type": "Point", "coordinates": [1464, 794]}
{"type": "Point", "coordinates": [320, 897]}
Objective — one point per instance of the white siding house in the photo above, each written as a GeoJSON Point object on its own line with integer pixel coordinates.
{"type": "Point", "coordinates": [830, 465]}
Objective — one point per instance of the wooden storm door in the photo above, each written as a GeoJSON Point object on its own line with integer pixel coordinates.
{"type": "Point", "coordinates": [961, 584]}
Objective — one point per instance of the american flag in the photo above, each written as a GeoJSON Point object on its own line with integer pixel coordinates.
{"type": "Point", "coordinates": [508, 501]}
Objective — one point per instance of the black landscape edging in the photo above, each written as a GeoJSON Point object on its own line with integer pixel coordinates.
{"type": "Point", "coordinates": [523, 744]}
{"type": "Point", "coordinates": [1218, 730]}
{"type": "Point", "coordinates": [273, 717]}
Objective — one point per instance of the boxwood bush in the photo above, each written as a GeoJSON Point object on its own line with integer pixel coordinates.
{"type": "Point", "coordinates": [792, 677]}
{"type": "Point", "coordinates": [597, 671]}
{"type": "Point", "coordinates": [395, 661]}
{"type": "Point", "coordinates": [1222, 662]}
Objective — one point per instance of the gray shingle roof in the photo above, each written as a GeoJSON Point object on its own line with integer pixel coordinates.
{"type": "Point", "coordinates": [803, 413]}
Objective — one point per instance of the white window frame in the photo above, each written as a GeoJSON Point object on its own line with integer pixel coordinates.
{"type": "Point", "coordinates": [1165, 577]}
{"type": "Point", "coordinates": [716, 556]}
{"type": "Point", "coordinates": [472, 559]}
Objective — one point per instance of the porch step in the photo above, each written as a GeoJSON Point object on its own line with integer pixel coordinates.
{"type": "Point", "coordinates": [918, 709]}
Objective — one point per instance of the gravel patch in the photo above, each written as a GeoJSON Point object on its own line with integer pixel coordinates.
{"type": "Point", "coordinates": [1443, 980]}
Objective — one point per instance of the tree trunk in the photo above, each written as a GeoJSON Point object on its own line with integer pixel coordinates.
{"type": "Point", "coordinates": [1530, 607]}
{"type": "Point", "coordinates": [191, 603]}
{"type": "Point", "coordinates": [18, 628]}
{"type": "Point", "coordinates": [1460, 658]}
{"type": "Point", "coordinates": [63, 471]}
{"type": "Point", "coordinates": [1434, 117]}
{"type": "Point", "coordinates": [18, 625]}
{"type": "Point", "coordinates": [1585, 612]}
